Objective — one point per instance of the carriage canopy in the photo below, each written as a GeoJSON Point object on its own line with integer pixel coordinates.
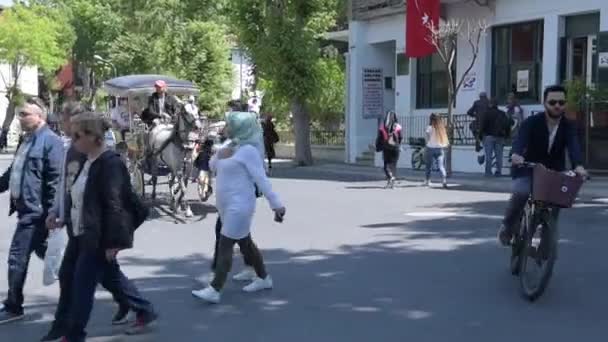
{"type": "Point", "coordinates": [133, 85]}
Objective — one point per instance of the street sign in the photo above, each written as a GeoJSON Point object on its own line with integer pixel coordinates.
{"type": "Point", "coordinates": [373, 93]}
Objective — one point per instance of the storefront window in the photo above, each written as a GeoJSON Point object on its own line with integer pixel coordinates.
{"type": "Point", "coordinates": [431, 83]}
{"type": "Point", "coordinates": [517, 56]}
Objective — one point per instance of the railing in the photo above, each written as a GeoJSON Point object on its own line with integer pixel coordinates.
{"type": "Point", "coordinates": [415, 129]}
{"type": "Point", "coordinates": [317, 137]}
{"type": "Point", "coordinates": [369, 9]}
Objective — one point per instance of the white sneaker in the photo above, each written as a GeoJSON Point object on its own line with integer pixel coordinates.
{"type": "Point", "coordinates": [208, 294]}
{"type": "Point", "coordinates": [259, 284]}
{"type": "Point", "coordinates": [248, 274]}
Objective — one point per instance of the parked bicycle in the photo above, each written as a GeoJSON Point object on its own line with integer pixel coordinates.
{"type": "Point", "coordinates": [535, 244]}
{"type": "Point", "coordinates": [419, 154]}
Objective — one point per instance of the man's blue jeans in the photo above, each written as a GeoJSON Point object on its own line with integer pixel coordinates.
{"type": "Point", "coordinates": [493, 147]}
{"type": "Point", "coordinates": [29, 237]}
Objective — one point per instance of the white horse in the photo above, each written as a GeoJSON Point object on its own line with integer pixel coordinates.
{"type": "Point", "coordinates": [167, 143]}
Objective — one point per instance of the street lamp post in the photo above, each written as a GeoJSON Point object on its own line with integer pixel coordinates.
{"type": "Point", "coordinates": [101, 59]}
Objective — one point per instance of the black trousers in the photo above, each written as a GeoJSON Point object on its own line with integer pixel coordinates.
{"type": "Point", "coordinates": [224, 259]}
{"type": "Point", "coordinates": [218, 229]}
{"type": "Point", "coordinates": [82, 269]}
{"type": "Point", "coordinates": [29, 237]}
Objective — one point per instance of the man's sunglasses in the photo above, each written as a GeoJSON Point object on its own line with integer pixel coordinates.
{"type": "Point", "coordinates": [555, 102]}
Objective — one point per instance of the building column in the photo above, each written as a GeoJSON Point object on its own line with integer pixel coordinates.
{"type": "Point", "coordinates": [551, 40]}
{"type": "Point", "coordinates": [353, 107]}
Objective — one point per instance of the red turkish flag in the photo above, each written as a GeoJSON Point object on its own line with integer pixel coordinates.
{"type": "Point", "coordinates": [420, 13]}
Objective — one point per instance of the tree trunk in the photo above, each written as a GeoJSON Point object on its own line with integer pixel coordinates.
{"type": "Point", "coordinates": [10, 114]}
{"type": "Point", "coordinates": [301, 125]}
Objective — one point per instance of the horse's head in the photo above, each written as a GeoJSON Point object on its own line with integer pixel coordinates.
{"type": "Point", "coordinates": [186, 120]}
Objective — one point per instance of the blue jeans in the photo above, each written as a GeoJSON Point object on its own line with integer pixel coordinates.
{"type": "Point", "coordinates": [432, 154]}
{"type": "Point", "coordinates": [493, 147]}
{"type": "Point", "coordinates": [82, 269]}
{"type": "Point", "coordinates": [29, 237]}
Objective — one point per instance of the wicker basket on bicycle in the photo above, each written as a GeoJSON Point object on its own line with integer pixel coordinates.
{"type": "Point", "coordinates": [555, 188]}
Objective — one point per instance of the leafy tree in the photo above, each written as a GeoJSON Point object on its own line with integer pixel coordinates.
{"type": "Point", "coordinates": [31, 36]}
{"type": "Point", "coordinates": [203, 57]}
{"type": "Point", "coordinates": [282, 38]}
{"type": "Point", "coordinates": [327, 102]}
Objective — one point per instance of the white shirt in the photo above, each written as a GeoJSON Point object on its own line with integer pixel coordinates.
{"type": "Point", "coordinates": [235, 190]}
{"type": "Point", "coordinates": [433, 141]}
{"type": "Point", "coordinates": [77, 192]}
{"type": "Point", "coordinates": [552, 134]}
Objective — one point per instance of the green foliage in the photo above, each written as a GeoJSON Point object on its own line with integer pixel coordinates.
{"type": "Point", "coordinates": [203, 57]}
{"type": "Point", "coordinates": [327, 102]}
{"type": "Point", "coordinates": [281, 37]}
{"type": "Point", "coordinates": [34, 36]}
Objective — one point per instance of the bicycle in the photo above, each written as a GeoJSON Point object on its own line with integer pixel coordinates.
{"type": "Point", "coordinates": [536, 242]}
{"type": "Point", "coordinates": [419, 155]}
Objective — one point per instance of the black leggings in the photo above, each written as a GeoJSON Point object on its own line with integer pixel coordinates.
{"type": "Point", "coordinates": [391, 157]}
{"type": "Point", "coordinates": [218, 229]}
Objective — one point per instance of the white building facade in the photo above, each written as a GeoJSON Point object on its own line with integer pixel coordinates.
{"type": "Point", "coordinates": [28, 84]}
{"type": "Point", "coordinates": [529, 45]}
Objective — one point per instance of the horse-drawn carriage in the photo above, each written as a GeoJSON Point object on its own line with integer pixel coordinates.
{"type": "Point", "coordinates": [162, 149]}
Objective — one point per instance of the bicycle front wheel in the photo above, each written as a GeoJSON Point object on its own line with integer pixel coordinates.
{"type": "Point", "coordinates": [538, 256]}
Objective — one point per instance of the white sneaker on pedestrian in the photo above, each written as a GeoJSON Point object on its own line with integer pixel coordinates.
{"type": "Point", "coordinates": [208, 294]}
{"type": "Point", "coordinates": [248, 274]}
{"type": "Point", "coordinates": [259, 284]}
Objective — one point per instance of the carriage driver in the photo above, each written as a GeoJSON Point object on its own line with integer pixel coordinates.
{"type": "Point", "coordinates": [160, 105]}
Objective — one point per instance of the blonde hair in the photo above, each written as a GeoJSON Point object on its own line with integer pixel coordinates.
{"type": "Point", "coordinates": [91, 123]}
{"type": "Point", "coordinates": [439, 129]}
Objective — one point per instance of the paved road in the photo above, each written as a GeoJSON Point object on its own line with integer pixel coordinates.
{"type": "Point", "coordinates": [354, 262]}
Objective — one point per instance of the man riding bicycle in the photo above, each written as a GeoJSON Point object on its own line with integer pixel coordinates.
{"type": "Point", "coordinates": [543, 139]}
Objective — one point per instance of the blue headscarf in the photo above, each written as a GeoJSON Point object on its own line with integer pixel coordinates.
{"type": "Point", "coordinates": [245, 130]}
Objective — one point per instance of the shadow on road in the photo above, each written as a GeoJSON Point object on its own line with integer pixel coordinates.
{"type": "Point", "coordinates": [426, 278]}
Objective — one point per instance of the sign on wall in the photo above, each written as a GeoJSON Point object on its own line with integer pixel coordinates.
{"type": "Point", "coordinates": [373, 93]}
{"type": "Point", "coordinates": [603, 60]}
{"type": "Point", "coordinates": [470, 82]}
{"type": "Point", "coordinates": [523, 81]}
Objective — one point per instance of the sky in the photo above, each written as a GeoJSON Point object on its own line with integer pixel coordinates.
{"type": "Point", "coordinates": [6, 2]}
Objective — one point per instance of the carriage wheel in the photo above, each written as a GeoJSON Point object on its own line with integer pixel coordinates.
{"type": "Point", "coordinates": [137, 179]}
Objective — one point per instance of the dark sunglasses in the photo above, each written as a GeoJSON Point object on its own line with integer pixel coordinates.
{"type": "Point", "coordinates": [554, 102]}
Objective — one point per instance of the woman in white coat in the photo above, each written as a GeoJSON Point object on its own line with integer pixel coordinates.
{"type": "Point", "coordinates": [239, 167]}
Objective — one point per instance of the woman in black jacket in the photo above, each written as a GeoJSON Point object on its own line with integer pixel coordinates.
{"type": "Point", "coordinates": [103, 217]}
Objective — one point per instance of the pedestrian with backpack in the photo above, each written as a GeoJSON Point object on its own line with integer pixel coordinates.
{"type": "Point", "coordinates": [389, 143]}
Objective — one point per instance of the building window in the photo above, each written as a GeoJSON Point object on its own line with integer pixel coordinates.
{"type": "Point", "coordinates": [517, 58]}
{"type": "Point", "coordinates": [431, 83]}
{"type": "Point", "coordinates": [403, 65]}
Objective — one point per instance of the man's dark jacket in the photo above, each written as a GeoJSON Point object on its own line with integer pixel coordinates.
{"type": "Point", "coordinates": [40, 175]}
{"type": "Point", "coordinates": [495, 123]}
{"type": "Point", "coordinates": [532, 143]}
{"type": "Point", "coordinates": [153, 110]}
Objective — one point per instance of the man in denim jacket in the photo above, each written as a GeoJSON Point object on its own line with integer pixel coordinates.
{"type": "Point", "coordinates": [32, 180]}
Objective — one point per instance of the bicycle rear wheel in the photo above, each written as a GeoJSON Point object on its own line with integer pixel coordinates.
{"type": "Point", "coordinates": [538, 256]}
